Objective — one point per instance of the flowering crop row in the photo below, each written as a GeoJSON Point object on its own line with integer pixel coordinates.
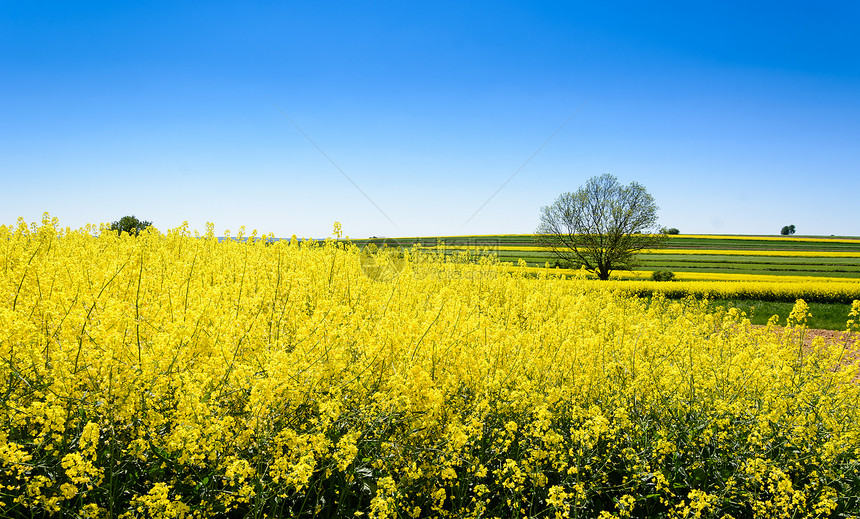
{"type": "Point", "coordinates": [793, 239]}
{"type": "Point", "coordinates": [720, 285]}
{"type": "Point", "coordinates": [170, 375]}
{"type": "Point", "coordinates": [812, 291]}
{"type": "Point", "coordinates": [698, 252]}
{"type": "Point", "coordinates": [674, 237]}
{"type": "Point", "coordinates": [775, 253]}
{"type": "Point", "coordinates": [849, 286]}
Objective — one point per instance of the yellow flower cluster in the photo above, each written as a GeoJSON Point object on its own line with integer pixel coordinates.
{"type": "Point", "coordinates": [177, 375]}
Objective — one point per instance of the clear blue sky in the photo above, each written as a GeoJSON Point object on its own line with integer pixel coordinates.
{"type": "Point", "coordinates": [738, 117]}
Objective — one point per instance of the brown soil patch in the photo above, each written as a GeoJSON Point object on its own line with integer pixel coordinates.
{"type": "Point", "coordinates": [851, 341]}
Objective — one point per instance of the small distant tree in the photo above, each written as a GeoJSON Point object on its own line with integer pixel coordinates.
{"type": "Point", "coordinates": [672, 230]}
{"type": "Point", "coordinates": [601, 227]}
{"type": "Point", "coordinates": [787, 230]}
{"type": "Point", "coordinates": [129, 224]}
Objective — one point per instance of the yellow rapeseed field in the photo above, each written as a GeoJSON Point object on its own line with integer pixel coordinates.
{"type": "Point", "coordinates": [718, 285]}
{"type": "Point", "coordinates": [175, 375]}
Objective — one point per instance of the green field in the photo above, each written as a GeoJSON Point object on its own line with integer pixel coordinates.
{"type": "Point", "coordinates": [827, 316]}
{"type": "Point", "coordinates": [758, 262]}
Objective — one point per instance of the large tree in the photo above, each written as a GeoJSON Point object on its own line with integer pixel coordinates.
{"type": "Point", "coordinates": [602, 226]}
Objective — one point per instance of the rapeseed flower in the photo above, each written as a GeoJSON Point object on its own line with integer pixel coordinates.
{"type": "Point", "coordinates": [176, 375]}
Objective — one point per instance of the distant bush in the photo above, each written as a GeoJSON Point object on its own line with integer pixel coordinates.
{"type": "Point", "coordinates": [564, 264]}
{"type": "Point", "coordinates": [660, 275]}
{"type": "Point", "coordinates": [130, 224]}
{"type": "Point", "coordinates": [787, 230]}
{"type": "Point", "coordinates": [672, 230]}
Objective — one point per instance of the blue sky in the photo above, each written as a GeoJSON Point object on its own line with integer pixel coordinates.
{"type": "Point", "coordinates": [737, 117]}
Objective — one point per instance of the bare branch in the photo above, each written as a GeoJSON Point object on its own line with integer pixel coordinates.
{"type": "Point", "coordinates": [601, 226]}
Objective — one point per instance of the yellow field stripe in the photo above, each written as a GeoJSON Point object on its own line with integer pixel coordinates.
{"type": "Point", "coordinates": [778, 253]}
{"type": "Point", "coordinates": [645, 275]}
{"type": "Point", "coordinates": [764, 238]}
{"type": "Point", "coordinates": [774, 278]}
{"type": "Point", "coordinates": [704, 252]}
{"type": "Point", "coordinates": [529, 237]}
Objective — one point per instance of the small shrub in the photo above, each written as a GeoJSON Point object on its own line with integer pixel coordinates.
{"type": "Point", "coordinates": [564, 264]}
{"type": "Point", "coordinates": [672, 230]}
{"type": "Point", "coordinates": [659, 275]}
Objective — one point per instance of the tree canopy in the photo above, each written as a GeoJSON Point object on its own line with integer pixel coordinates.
{"type": "Point", "coordinates": [129, 224]}
{"type": "Point", "coordinates": [601, 226]}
